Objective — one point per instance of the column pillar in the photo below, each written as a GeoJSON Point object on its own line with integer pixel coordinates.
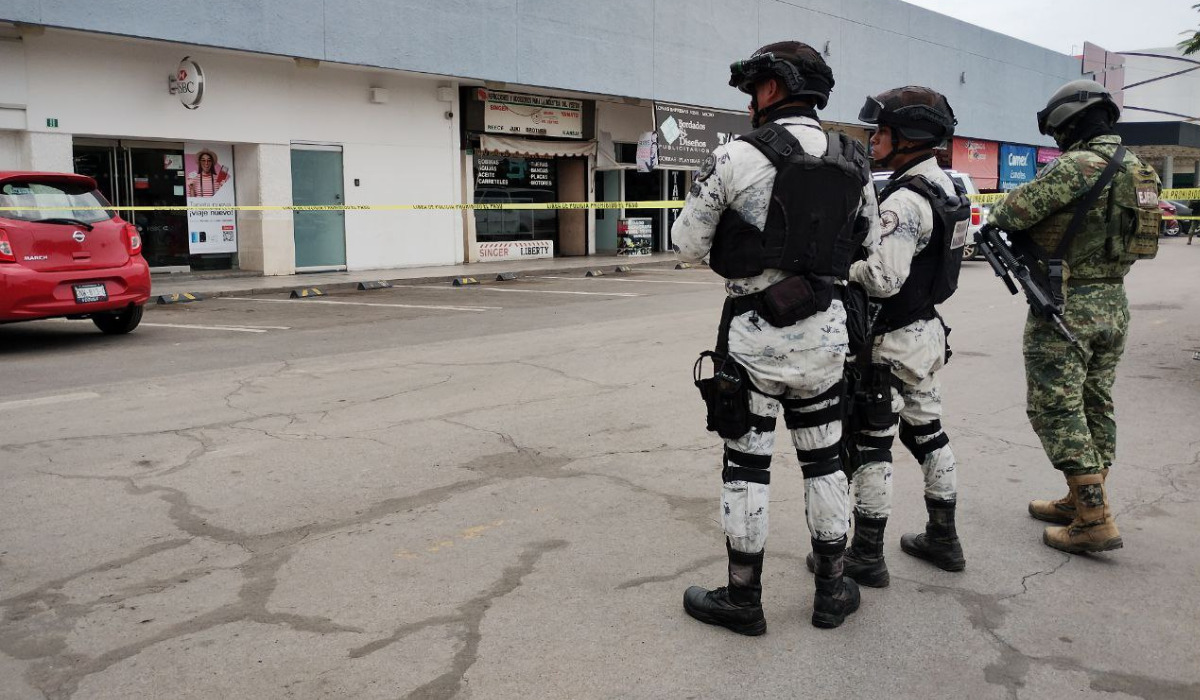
{"type": "Point", "coordinates": [266, 239]}
{"type": "Point", "coordinates": [1168, 173]}
{"type": "Point", "coordinates": [48, 152]}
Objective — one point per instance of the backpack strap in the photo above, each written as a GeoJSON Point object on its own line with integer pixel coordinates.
{"type": "Point", "coordinates": [1088, 200]}
{"type": "Point", "coordinates": [775, 142]}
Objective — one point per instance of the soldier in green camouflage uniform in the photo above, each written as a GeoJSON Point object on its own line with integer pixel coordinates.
{"type": "Point", "coordinates": [1069, 389]}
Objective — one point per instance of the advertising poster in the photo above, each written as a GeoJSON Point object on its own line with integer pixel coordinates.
{"type": "Point", "coordinates": [209, 184]}
{"type": "Point", "coordinates": [647, 152]}
{"type": "Point", "coordinates": [635, 236]}
{"type": "Point", "coordinates": [686, 135]}
{"type": "Point", "coordinates": [1018, 165]}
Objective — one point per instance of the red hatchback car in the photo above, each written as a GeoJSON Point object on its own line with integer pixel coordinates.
{"type": "Point", "coordinates": [65, 252]}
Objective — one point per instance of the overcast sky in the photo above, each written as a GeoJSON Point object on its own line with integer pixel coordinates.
{"type": "Point", "coordinates": [1063, 25]}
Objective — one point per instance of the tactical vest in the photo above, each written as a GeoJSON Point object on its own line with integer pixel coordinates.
{"type": "Point", "coordinates": [933, 277]}
{"type": "Point", "coordinates": [1120, 228]}
{"type": "Point", "coordinates": [811, 225]}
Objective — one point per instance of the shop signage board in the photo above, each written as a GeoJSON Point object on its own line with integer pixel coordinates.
{"type": "Point", "coordinates": [977, 158]}
{"type": "Point", "coordinates": [514, 250]}
{"type": "Point", "coordinates": [1046, 154]}
{"type": "Point", "coordinates": [187, 83]}
{"type": "Point", "coordinates": [518, 114]}
{"type": "Point", "coordinates": [635, 236]}
{"type": "Point", "coordinates": [686, 135]}
{"type": "Point", "coordinates": [1018, 165]}
{"type": "Point", "coordinates": [209, 184]}
{"type": "Point", "coordinates": [512, 171]}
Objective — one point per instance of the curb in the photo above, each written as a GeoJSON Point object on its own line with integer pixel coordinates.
{"type": "Point", "coordinates": [350, 286]}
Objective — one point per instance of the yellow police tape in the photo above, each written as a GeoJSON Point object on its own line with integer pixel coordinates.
{"type": "Point", "coordinates": [1176, 194]}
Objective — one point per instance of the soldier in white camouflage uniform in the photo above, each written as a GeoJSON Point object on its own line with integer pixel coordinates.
{"type": "Point", "coordinates": [914, 267]}
{"type": "Point", "coordinates": [796, 365]}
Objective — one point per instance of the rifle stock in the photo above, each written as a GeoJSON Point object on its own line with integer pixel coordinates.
{"type": "Point", "coordinates": [1004, 263]}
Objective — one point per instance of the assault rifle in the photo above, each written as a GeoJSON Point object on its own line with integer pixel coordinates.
{"type": "Point", "coordinates": [1042, 302]}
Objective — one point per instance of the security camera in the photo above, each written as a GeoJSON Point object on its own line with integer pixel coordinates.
{"type": "Point", "coordinates": [449, 115]}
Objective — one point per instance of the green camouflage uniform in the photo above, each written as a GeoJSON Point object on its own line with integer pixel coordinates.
{"type": "Point", "coordinates": [1069, 393]}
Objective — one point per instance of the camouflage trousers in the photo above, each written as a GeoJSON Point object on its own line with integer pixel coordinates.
{"type": "Point", "coordinates": [797, 372]}
{"type": "Point", "coordinates": [1068, 392]}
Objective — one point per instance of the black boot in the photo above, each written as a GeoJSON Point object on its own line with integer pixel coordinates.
{"type": "Point", "coordinates": [939, 543]}
{"type": "Point", "coordinates": [864, 559]}
{"type": "Point", "coordinates": [737, 607]}
{"type": "Point", "coordinates": [836, 596]}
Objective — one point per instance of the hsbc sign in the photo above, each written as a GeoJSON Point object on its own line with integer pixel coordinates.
{"type": "Point", "coordinates": [187, 82]}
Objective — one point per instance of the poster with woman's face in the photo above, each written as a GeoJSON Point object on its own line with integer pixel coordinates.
{"type": "Point", "coordinates": [209, 184]}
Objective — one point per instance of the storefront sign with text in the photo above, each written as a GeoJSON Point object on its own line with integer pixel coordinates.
{"type": "Point", "coordinates": [518, 114]}
{"type": "Point", "coordinates": [514, 250]}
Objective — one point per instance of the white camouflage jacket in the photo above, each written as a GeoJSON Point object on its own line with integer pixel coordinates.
{"type": "Point", "coordinates": [917, 350]}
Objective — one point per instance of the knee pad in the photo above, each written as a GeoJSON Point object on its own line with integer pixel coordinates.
{"type": "Point", "coordinates": [920, 450]}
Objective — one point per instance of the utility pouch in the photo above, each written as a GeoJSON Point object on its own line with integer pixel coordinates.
{"type": "Point", "coordinates": [1142, 242]}
{"type": "Point", "coordinates": [795, 299]}
{"type": "Point", "coordinates": [874, 404]}
{"type": "Point", "coordinates": [726, 394]}
{"type": "Point", "coordinates": [1054, 270]}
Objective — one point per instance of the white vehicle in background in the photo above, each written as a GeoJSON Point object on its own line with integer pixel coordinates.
{"type": "Point", "coordinates": [979, 212]}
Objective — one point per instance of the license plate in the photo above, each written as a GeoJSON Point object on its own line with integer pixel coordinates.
{"type": "Point", "coordinates": [86, 293]}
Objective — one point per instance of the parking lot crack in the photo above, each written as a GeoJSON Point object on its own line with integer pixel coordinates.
{"type": "Point", "coordinates": [469, 617]}
{"type": "Point", "coordinates": [666, 578]}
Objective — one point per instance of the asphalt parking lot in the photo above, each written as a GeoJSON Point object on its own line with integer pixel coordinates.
{"type": "Point", "coordinates": [502, 491]}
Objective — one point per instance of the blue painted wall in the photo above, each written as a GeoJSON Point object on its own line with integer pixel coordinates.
{"type": "Point", "coordinates": [672, 50]}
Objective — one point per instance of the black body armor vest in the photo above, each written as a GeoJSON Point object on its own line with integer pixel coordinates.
{"type": "Point", "coordinates": [933, 277]}
{"type": "Point", "coordinates": [812, 225]}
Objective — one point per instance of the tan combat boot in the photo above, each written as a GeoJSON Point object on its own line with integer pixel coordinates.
{"type": "Point", "coordinates": [1093, 529]}
{"type": "Point", "coordinates": [1061, 511]}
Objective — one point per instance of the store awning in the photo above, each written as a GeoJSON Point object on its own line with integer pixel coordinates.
{"type": "Point", "coordinates": [512, 146]}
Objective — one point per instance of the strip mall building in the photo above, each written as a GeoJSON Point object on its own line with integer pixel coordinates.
{"type": "Point", "coordinates": [400, 103]}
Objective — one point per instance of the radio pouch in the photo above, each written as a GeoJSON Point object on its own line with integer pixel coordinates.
{"type": "Point", "coordinates": [726, 395]}
{"type": "Point", "coordinates": [874, 404]}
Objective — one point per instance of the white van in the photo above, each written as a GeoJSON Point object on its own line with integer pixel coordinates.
{"type": "Point", "coordinates": [979, 212]}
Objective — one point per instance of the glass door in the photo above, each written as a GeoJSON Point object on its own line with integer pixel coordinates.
{"type": "Point", "coordinates": [156, 179]}
{"type": "Point", "coordinates": [320, 235]}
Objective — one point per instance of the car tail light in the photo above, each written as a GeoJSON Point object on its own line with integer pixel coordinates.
{"type": "Point", "coordinates": [976, 215]}
{"type": "Point", "coordinates": [133, 239]}
{"type": "Point", "coordinates": [6, 251]}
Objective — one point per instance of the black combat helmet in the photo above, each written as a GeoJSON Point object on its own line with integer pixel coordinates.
{"type": "Point", "coordinates": [914, 113]}
{"type": "Point", "coordinates": [803, 72]}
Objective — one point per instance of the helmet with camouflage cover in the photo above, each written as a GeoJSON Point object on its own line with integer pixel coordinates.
{"type": "Point", "coordinates": [1071, 100]}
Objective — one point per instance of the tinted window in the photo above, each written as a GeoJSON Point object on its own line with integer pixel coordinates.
{"type": "Point", "coordinates": [53, 200]}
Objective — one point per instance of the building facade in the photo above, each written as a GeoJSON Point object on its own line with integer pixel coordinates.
{"type": "Point", "coordinates": [380, 105]}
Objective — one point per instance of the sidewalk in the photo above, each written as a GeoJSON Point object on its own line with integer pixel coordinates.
{"type": "Point", "coordinates": [216, 284]}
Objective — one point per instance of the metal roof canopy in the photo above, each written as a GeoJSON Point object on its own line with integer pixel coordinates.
{"type": "Point", "coordinates": [1158, 139]}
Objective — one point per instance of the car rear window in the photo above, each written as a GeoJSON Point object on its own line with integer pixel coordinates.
{"type": "Point", "coordinates": [34, 201]}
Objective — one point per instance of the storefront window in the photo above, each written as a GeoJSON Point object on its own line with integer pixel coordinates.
{"type": "Point", "coordinates": [515, 180]}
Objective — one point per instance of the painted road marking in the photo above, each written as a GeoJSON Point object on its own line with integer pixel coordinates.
{"type": "Point", "coordinates": [48, 400]}
{"type": "Point", "coordinates": [307, 302]}
{"type": "Point", "coordinates": [630, 279]}
{"type": "Point", "coordinates": [483, 288]}
{"type": "Point", "coordinates": [234, 329]}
